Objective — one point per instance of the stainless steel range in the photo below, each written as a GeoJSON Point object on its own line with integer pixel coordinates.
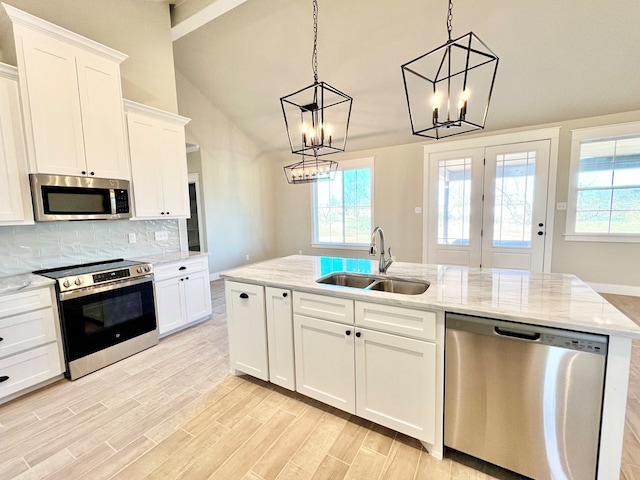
{"type": "Point", "coordinates": [107, 312]}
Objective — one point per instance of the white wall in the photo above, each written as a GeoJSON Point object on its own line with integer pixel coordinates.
{"type": "Point", "coordinates": [236, 179]}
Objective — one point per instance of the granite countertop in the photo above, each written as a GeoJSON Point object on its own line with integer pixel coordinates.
{"type": "Point", "coordinates": [19, 283]}
{"type": "Point", "coordinates": [161, 258]}
{"type": "Point", "coordinates": [547, 299]}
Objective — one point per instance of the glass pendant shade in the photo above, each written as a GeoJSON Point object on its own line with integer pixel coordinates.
{"type": "Point", "coordinates": [317, 119]}
{"type": "Point", "coordinates": [310, 169]}
{"type": "Point", "coordinates": [449, 88]}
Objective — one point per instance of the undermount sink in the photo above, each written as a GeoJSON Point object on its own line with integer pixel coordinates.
{"type": "Point", "coordinates": [375, 282]}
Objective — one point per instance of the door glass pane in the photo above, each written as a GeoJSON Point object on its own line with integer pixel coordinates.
{"type": "Point", "coordinates": [515, 175]}
{"type": "Point", "coordinates": [454, 201]}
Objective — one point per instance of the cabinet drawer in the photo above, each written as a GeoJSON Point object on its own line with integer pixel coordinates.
{"type": "Point", "coordinates": [28, 330]}
{"type": "Point", "coordinates": [22, 302]}
{"type": "Point", "coordinates": [29, 368]}
{"type": "Point", "coordinates": [323, 307]}
{"type": "Point", "coordinates": [398, 320]}
{"type": "Point", "coordinates": [180, 268]}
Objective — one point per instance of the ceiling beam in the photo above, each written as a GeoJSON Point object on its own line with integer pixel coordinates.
{"type": "Point", "coordinates": [212, 11]}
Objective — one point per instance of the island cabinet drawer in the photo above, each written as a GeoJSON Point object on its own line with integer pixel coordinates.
{"type": "Point", "coordinates": [402, 321]}
{"type": "Point", "coordinates": [22, 302]}
{"type": "Point", "coordinates": [324, 307]}
{"type": "Point", "coordinates": [27, 330]}
{"type": "Point", "coordinates": [180, 268]}
{"type": "Point", "coordinates": [29, 368]}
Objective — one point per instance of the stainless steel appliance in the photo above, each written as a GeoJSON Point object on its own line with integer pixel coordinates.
{"type": "Point", "coordinates": [60, 197]}
{"type": "Point", "coordinates": [107, 312]}
{"type": "Point", "coordinates": [526, 398]}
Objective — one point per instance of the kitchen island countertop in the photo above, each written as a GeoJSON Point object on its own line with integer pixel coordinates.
{"type": "Point", "coordinates": [546, 299]}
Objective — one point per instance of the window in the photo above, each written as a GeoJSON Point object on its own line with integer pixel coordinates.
{"type": "Point", "coordinates": [342, 207]}
{"type": "Point", "coordinates": [604, 192]}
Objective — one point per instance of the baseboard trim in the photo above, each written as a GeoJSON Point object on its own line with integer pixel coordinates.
{"type": "Point", "coordinates": [616, 289]}
{"type": "Point", "coordinates": [214, 276]}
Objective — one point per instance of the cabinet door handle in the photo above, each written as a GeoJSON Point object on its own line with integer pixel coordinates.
{"type": "Point", "coordinates": [244, 295]}
{"type": "Point", "coordinates": [182, 268]}
{"type": "Point", "coordinates": [4, 379]}
{"type": "Point", "coordinates": [84, 172]}
{"type": "Point", "coordinates": [348, 332]}
{"type": "Point", "coordinates": [358, 334]}
{"type": "Point", "coordinates": [186, 278]}
{"type": "Point", "coordinates": [285, 294]}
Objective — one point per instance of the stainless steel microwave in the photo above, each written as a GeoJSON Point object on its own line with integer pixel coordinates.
{"type": "Point", "coordinates": [61, 197]}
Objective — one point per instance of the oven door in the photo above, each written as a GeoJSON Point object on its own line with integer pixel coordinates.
{"type": "Point", "coordinates": [101, 317]}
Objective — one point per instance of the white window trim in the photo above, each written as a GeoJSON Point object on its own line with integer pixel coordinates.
{"type": "Point", "coordinates": [593, 133]}
{"type": "Point", "coordinates": [353, 164]}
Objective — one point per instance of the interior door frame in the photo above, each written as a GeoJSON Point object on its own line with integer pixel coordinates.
{"type": "Point", "coordinates": [552, 134]}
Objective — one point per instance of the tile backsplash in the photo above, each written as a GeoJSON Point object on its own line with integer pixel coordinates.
{"type": "Point", "coordinates": [54, 244]}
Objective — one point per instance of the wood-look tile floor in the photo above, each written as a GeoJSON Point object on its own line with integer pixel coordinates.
{"type": "Point", "coordinates": [174, 412]}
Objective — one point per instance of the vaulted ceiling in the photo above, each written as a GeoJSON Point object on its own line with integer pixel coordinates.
{"type": "Point", "coordinates": [559, 60]}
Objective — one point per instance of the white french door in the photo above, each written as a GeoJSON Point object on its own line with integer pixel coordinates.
{"type": "Point", "coordinates": [487, 206]}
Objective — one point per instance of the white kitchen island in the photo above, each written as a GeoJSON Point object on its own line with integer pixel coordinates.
{"type": "Point", "coordinates": [278, 314]}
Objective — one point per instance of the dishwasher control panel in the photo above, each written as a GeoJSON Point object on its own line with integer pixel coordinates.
{"type": "Point", "coordinates": [589, 346]}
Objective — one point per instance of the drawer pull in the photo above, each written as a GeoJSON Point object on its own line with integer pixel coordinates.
{"type": "Point", "coordinates": [348, 332]}
{"type": "Point", "coordinates": [358, 334]}
{"type": "Point", "coordinates": [4, 379]}
{"type": "Point", "coordinates": [182, 268]}
{"type": "Point", "coordinates": [244, 295]}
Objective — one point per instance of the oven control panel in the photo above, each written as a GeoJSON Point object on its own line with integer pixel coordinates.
{"type": "Point", "coordinates": [112, 275]}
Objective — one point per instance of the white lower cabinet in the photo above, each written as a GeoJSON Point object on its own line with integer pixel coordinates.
{"type": "Point", "coordinates": [30, 346]}
{"type": "Point", "coordinates": [325, 362]}
{"type": "Point", "coordinates": [376, 361]}
{"type": "Point", "coordinates": [280, 337]}
{"type": "Point", "coordinates": [246, 321]}
{"type": "Point", "coordinates": [395, 382]}
{"type": "Point", "coordinates": [183, 293]}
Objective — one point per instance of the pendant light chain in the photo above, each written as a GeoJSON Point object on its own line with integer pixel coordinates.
{"type": "Point", "coordinates": [314, 57]}
{"type": "Point", "coordinates": [450, 19]}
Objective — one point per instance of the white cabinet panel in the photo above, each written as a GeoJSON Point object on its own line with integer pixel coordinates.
{"type": "Point", "coordinates": [158, 162]}
{"type": "Point", "coordinates": [15, 196]}
{"type": "Point", "coordinates": [28, 330]}
{"type": "Point", "coordinates": [29, 368]}
{"type": "Point", "coordinates": [102, 117]}
{"type": "Point", "coordinates": [183, 293]}
{"type": "Point", "coordinates": [322, 306]}
{"type": "Point", "coordinates": [325, 361]}
{"type": "Point", "coordinates": [395, 383]}
{"type": "Point", "coordinates": [391, 319]}
{"type": "Point", "coordinates": [247, 329]}
{"type": "Point", "coordinates": [280, 337]}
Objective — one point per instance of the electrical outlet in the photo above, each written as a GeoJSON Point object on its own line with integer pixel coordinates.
{"type": "Point", "coordinates": [162, 236]}
{"type": "Point", "coordinates": [299, 252]}
{"type": "Point", "coordinates": [561, 206]}
{"type": "Point", "coordinates": [418, 210]}
{"type": "Point", "coordinates": [247, 256]}
{"type": "Point", "coordinates": [132, 238]}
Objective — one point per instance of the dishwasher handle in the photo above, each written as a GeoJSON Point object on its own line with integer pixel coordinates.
{"type": "Point", "coordinates": [532, 336]}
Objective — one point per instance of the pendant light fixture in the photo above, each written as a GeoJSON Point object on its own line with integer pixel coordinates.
{"type": "Point", "coordinates": [449, 88]}
{"type": "Point", "coordinates": [310, 169]}
{"type": "Point", "coordinates": [317, 116]}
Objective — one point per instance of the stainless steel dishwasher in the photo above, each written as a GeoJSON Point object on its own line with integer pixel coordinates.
{"type": "Point", "coordinates": [526, 398]}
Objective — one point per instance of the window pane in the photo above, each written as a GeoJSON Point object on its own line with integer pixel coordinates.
{"type": "Point", "coordinates": [513, 207]}
{"type": "Point", "coordinates": [609, 186]}
{"type": "Point", "coordinates": [454, 200]}
{"type": "Point", "coordinates": [343, 208]}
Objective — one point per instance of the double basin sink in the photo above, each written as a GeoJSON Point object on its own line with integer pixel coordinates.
{"type": "Point", "coordinates": [375, 283]}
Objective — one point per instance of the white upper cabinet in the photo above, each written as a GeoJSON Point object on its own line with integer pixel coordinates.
{"type": "Point", "coordinates": [158, 162]}
{"type": "Point", "coordinates": [15, 199]}
{"type": "Point", "coordinates": [72, 100]}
